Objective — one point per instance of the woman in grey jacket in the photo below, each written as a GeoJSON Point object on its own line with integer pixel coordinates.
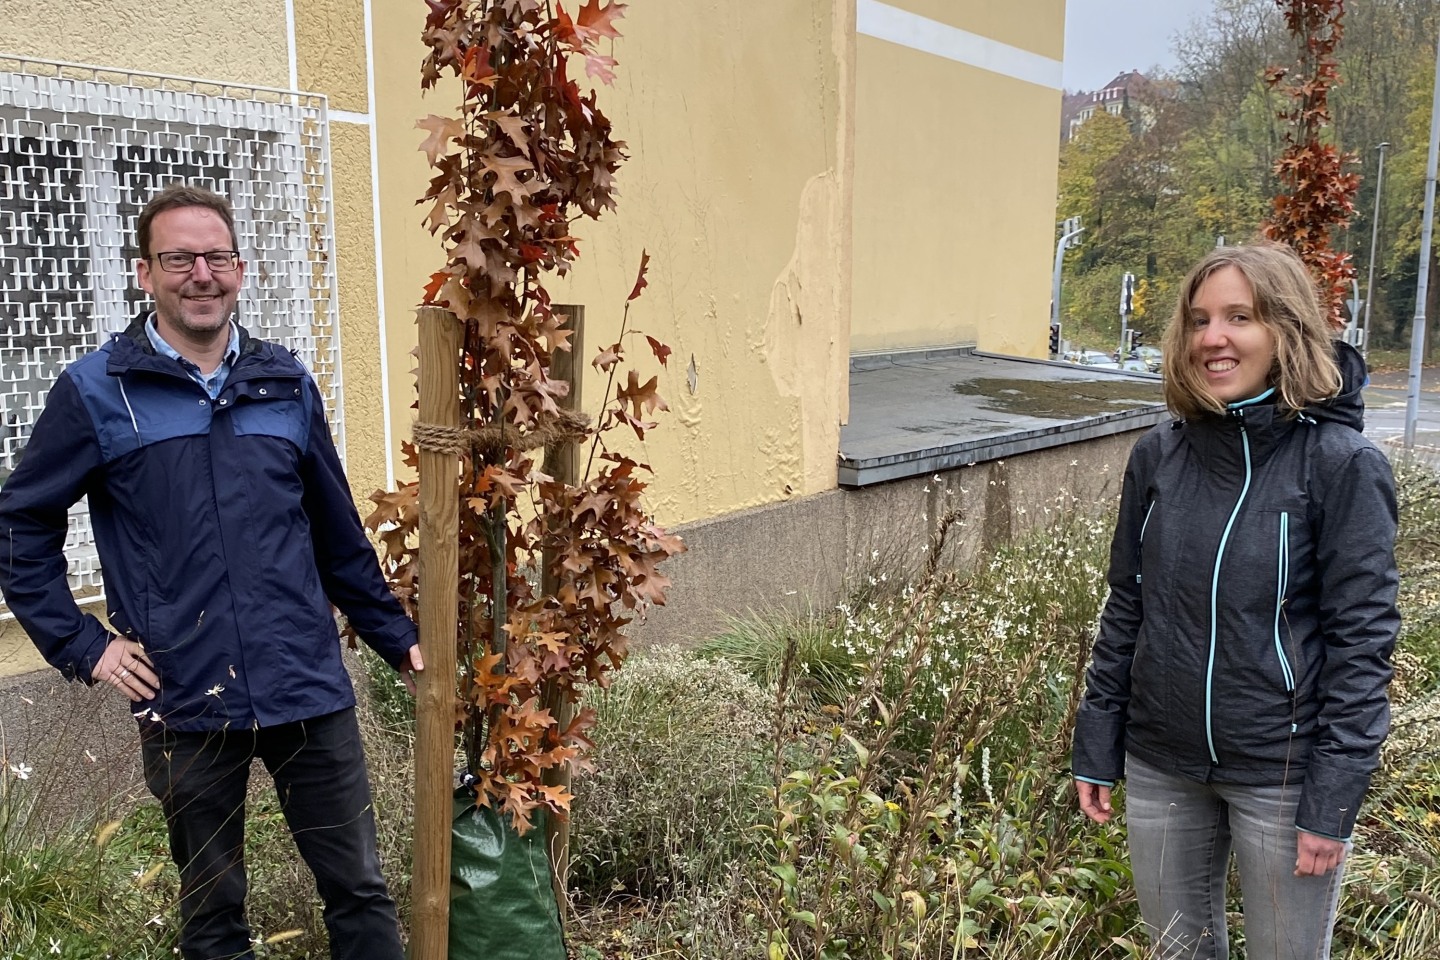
{"type": "Point", "coordinates": [1238, 679]}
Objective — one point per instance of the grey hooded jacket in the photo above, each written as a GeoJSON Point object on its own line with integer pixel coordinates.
{"type": "Point", "coordinates": [1251, 617]}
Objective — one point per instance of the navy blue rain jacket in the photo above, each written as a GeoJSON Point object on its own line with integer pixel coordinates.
{"type": "Point", "coordinates": [225, 530]}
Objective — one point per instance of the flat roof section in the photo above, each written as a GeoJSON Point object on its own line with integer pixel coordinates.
{"type": "Point", "coordinates": [925, 411]}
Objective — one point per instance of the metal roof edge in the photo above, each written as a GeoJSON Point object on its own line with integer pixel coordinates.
{"type": "Point", "coordinates": [873, 361]}
{"type": "Point", "coordinates": [853, 473]}
{"type": "Point", "coordinates": [1065, 364]}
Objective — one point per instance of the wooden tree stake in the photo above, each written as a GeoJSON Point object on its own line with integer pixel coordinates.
{"type": "Point", "coordinates": [441, 336]}
{"type": "Point", "coordinates": [562, 462]}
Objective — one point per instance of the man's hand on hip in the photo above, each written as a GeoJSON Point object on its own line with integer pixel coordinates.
{"type": "Point", "coordinates": [125, 666]}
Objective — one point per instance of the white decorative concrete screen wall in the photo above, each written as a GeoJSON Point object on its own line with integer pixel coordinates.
{"type": "Point", "coordinates": [81, 151]}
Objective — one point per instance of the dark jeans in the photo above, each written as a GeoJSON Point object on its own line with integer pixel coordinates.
{"type": "Point", "coordinates": [319, 771]}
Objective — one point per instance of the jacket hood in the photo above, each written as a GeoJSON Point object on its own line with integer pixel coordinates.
{"type": "Point", "coordinates": [1348, 406]}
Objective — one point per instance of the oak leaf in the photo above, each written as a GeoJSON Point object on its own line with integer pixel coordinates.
{"type": "Point", "coordinates": [594, 21]}
{"type": "Point", "coordinates": [442, 131]}
{"type": "Point", "coordinates": [640, 282]}
{"type": "Point", "coordinates": [662, 352]}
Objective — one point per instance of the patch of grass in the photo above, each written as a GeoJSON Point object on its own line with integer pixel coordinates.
{"type": "Point", "coordinates": [1060, 398]}
{"type": "Point", "coordinates": [824, 670]}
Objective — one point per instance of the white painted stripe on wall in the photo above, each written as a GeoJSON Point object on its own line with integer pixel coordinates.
{"type": "Point", "coordinates": [379, 250]}
{"type": "Point", "coordinates": [290, 44]}
{"type": "Point", "coordinates": [884, 22]}
{"type": "Point", "coordinates": [350, 116]}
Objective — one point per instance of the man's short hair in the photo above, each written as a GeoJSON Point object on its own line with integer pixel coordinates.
{"type": "Point", "coordinates": [174, 197]}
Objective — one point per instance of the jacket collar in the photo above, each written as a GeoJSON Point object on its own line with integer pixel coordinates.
{"type": "Point", "coordinates": [1221, 440]}
{"type": "Point", "coordinates": [133, 351]}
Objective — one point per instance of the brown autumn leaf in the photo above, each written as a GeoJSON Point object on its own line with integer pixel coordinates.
{"type": "Point", "coordinates": [641, 396]}
{"type": "Point", "coordinates": [442, 130]}
{"type": "Point", "coordinates": [662, 352]}
{"type": "Point", "coordinates": [608, 357]}
{"type": "Point", "coordinates": [594, 21]}
{"type": "Point", "coordinates": [640, 282]}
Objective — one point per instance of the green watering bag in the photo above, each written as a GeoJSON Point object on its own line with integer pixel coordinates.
{"type": "Point", "coordinates": [502, 906]}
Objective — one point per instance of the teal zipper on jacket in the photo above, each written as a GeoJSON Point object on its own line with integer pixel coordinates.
{"type": "Point", "coordinates": [1237, 411]}
{"type": "Point", "coordinates": [1282, 580]}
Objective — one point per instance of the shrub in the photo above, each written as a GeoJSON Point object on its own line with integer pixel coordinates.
{"type": "Point", "coordinates": [936, 816]}
{"type": "Point", "coordinates": [677, 766]}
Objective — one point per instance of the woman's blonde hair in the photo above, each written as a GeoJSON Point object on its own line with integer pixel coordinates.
{"type": "Point", "coordinates": [1286, 304]}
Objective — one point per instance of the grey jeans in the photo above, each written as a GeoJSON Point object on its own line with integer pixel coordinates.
{"type": "Point", "coordinates": [1181, 836]}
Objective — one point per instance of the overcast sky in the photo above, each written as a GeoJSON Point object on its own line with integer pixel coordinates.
{"type": "Point", "coordinates": [1106, 37]}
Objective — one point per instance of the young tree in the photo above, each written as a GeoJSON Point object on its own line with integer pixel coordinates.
{"type": "Point", "coordinates": [525, 154]}
{"type": "Point", "coordinates": [1320, 195]}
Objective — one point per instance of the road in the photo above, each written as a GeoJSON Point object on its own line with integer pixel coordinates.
{"type": "Point", "coordinates": [1385, 412]}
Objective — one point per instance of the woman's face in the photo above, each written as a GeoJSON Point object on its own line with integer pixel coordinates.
{"type": "Point", "coordinates": [1231, 349]}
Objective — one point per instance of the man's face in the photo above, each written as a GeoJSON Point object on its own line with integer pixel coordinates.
{"type": "Point", "coordinates": [197, 304]}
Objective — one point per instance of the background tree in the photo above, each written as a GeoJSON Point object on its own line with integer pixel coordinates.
{"type": "Point", "coordinates": [1209, 169]}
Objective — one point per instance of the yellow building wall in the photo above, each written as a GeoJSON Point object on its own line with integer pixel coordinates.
{"type": "Point", "coordinates": [954, 188]}
{"type": "Point", "coordinates": [738, 187]}
{"type": "Point", "coordinates": [191, 38]}
{"type": "Point", "coordinates": [1034, 25]}
{"type": "Point", "coordinates": [331, 58]}
{"type": "Point", "coordinates": [771, 153]}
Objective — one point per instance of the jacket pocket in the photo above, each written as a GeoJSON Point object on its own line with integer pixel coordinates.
{"type": "Point", "coordinates": [272, 410]}
{"type": "Point", "coordinates": [1140, 546]}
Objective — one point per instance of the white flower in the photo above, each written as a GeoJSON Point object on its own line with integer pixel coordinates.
{"type": "Point", "coordinates": [215, 691]}
{"type": "Point", "coordinates": [21, 771]}
{"type": "Point", "coordinates": [54, 945]}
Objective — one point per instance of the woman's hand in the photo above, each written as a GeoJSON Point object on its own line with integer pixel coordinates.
{"type": "Point", "coordinates": [1317, 856]}
{"type": "Point", "coordinates": [1094, 800]}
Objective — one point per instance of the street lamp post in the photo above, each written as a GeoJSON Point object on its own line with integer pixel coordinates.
{"type": "Point", "coordinates": [1422, 285]}
{"type": "Point", "coordinates": [1374, 236]}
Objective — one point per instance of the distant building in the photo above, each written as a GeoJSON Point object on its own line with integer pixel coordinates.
{"type": "Point", "coordinates": [1070, 106]}
{"type": "Point", "coordinates": [1125, 96]}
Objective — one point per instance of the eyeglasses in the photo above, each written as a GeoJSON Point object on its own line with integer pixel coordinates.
{"type": "Point", "coordinates": [180, 261]}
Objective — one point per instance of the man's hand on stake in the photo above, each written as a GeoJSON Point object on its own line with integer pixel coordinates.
{"type": "Point", "coordinates": [410, 667]}
{"type": "Point", "coordinates": [125, 666]}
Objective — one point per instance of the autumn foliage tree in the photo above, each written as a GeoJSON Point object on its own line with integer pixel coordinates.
{"type": "Point", "coordinates": [1320, 195]}
{"type": "Point", "coordinates": [524, 155]}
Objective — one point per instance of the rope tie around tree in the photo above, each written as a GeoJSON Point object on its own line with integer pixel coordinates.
{"type": "Point", "coordinates": [490, 441]}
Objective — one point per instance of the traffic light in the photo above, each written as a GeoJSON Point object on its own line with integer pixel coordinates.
{"type": "Point", "coordinates": [1137, 338]}
{"type": "Point", "coordinates": [1054, 340]}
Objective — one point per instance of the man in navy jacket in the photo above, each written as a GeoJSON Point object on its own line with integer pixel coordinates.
{"type": "Point", "coordinates": [225, 529]}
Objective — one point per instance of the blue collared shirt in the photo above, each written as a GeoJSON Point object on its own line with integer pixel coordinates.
{"type": "Point", "coordinates": [212, 383]}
